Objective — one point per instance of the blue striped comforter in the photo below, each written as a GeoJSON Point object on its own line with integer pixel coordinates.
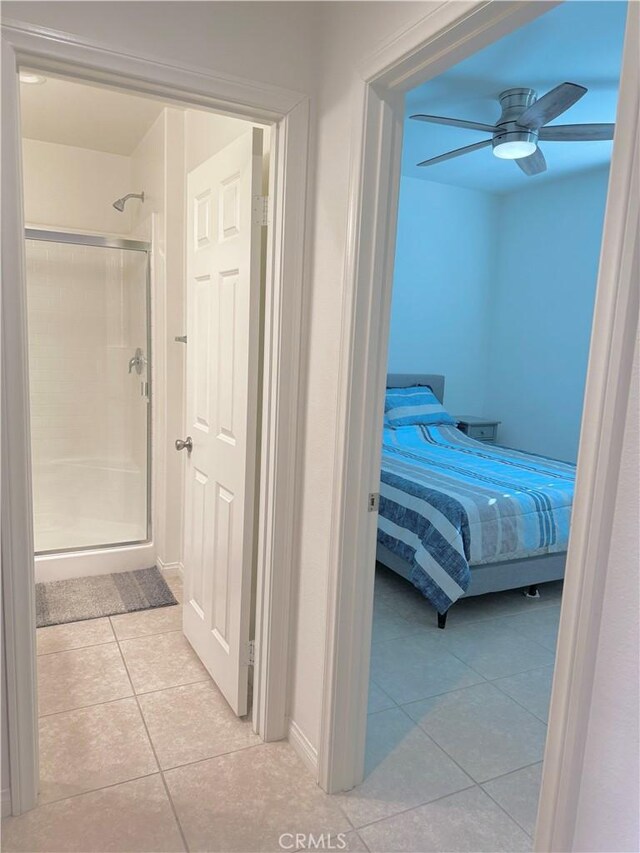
{"type": "Point", "coordinates": [448, 502]}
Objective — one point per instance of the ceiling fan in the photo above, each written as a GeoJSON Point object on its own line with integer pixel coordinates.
{"type": "Point", "coordinates": [521, 126]}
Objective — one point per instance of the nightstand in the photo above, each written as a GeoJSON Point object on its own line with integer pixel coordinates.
{"type": "Point", "coordinates": [482, 429]}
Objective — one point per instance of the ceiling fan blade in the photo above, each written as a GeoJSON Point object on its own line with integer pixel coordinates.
{"type": "Point", "coordinates": [534, 164]}
{"type": "Point", "coordinates": [455, 122]}
{"type": "Point", "coordinates": [551, 105]}
{"type": "Point", "coordinates": [457, 153]}
{"type": "Point", "coordinates": [576, 132]}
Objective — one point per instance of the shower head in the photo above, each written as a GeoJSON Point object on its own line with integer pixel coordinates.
{"type": "Point", "coordinates": [120, 202]}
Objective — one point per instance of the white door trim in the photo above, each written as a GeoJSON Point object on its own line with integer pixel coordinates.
{"type": "Point", "coordinates": [288, 112]}
{"type": "Point", "coordinates": [441, 39]}
{"type": "Point", "coordinates": [18, 584]}
{"type": "Point", "coordinates": [614, 331]}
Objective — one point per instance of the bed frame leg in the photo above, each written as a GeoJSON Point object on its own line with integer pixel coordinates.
{"type": "Point", "coordinates": [533, 591]}
{"type": "Point", "coordinates": [442, 620]}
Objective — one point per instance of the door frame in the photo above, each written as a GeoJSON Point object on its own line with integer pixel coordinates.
{"type": "Point", "coordinates": [287, 112]}
{"type": "Point", "coordinates": [443, 38]}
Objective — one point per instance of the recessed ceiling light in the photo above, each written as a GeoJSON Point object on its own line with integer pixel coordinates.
{"type": "Point", "coordinates": [34, 79]}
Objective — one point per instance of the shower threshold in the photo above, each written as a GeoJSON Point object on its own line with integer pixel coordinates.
{"type": "Point", "coordinates": [87, 562]}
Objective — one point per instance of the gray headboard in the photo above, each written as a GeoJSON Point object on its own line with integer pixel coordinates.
{"type": "Point", "coordinates": [435, 381]}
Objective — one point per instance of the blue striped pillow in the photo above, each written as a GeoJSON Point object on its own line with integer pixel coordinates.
{"type": "Point", "coordinates": [416, 404]}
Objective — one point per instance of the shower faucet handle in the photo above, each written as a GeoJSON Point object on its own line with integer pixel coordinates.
{"type": "Point", "coordinates": [186, 444]}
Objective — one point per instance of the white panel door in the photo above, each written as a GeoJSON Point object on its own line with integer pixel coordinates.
{"type": "Point", "coordinates": [223, 311]}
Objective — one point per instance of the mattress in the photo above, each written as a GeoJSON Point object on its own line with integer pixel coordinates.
{"type": "Point", "coordinates": [448, 502]}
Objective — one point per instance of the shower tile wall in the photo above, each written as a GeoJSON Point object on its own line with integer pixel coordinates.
{"type": "Point", "coordinates": [87, 315]}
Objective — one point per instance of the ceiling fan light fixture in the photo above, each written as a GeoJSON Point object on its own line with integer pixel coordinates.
{"type": "Point", "coordinates": [514, 149]}
{"type": "Point", "coordinates": [513, 143]}
{"type": "Point", "coordinates": [524, 120]}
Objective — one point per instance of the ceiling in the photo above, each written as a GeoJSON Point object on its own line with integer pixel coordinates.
{"type": "Point", "coordinates": [579, 41]}
{"type": "Point", "coordinates": [86, 116]}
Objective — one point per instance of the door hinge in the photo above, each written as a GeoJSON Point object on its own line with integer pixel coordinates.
{"type": "Point", "coordinates": [261, 209]}
{"type": "Point", "coordinates": [374, 502]}
{"type": "Point", "coordinates": [252, 652]}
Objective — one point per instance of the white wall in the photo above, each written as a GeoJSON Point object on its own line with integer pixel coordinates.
{"type": "Point", "coordinates": [548, 244]}
{"type": "Point", "coordinates": [272, 42]}
{"type": "Point", "coordinates": [496, 292]}
{"type": "Point", "coordinates": [207, 133]}
{"type": "Point", "coordinates": [444, 269]}
{"type": "Point", "coordinates": [608, 816]}
{"type": "Point", "coordinates": [73, 189]}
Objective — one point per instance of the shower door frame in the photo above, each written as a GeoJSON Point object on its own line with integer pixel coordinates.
{"type": "Point", "coordinates": [75, 238]}
{"type": "Point", "coordinates": [287, 112]}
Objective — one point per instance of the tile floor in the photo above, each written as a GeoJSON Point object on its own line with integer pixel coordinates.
{"type": "Point", "coordinates": [457, 721]}
{"type": "Point", "coordinates": [140, 752]}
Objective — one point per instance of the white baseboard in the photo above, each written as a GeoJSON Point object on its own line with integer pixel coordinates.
{"type": "Point", "coordinates": [165, 567]}
{"type": "Point", "coordinates": [6, 802]}
{"type": "Point", "coordinates": [303, 747]}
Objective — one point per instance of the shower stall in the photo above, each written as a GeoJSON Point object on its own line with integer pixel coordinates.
{"type": "Point", "coordinates": [89, 362]}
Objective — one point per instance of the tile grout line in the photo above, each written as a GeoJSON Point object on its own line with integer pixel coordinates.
{"type": "Point", "coordinates": [468, 666]}
{"type": "Point", "coordinates": [120, 698]}
{"type": "Point", "coordinates": [544, 722]}
{"type": "Point", "coordinates": [157, 772]}
{"type": "Point", "coordinates": [432, 695]}
{"type": "Point", "coordinates": [414, 808]}
{"type": "Point", "coordinates": [509, 772]}
{"type": "Point", "coordinates": [434, 633]}
{"type": "Point", "coordinates": [456, 762]}
{"type": "Point", "coordinates": [92, 791]}
{"type": "Point", "coordinates": [74, 648]}
{"type": "Point", "coordinates": [480, 785]}
{"type": "Point", "coordinates": [469, 687]}
{"type": "Point", "coordinates": [451, 652]}
{"type": "Point", "coordinates": [475, 782]}
{"type": "Point", "coordinates": [484, 680]}
{"type": "Point", "coordinates": [155, 755]}
{"type": "Point", "coordinates": [218, 755]}
{"type": "Point", "coordinates": [502, 776]}
{"type": "Point", "coordinates": [366, 846]}
{"type": "Point", "coordinates": [502, 808]}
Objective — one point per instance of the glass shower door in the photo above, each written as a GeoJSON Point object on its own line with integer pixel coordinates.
{"type": "Point", "coordinates": [88, 314]}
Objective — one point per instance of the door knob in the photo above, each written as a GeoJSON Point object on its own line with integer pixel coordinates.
{"type": "Point", "coordinates": [138, 361]}
{"type": "Point", "coordinates": [186, 444]}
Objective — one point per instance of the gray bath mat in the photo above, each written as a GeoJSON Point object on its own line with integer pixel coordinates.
{"type": "Point", "coordinates": [77, 599]}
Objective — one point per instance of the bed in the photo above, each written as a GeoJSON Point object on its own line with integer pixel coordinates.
{"type": "Point", "coordinates": [460, 518]}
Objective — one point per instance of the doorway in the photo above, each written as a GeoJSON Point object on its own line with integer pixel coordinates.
{"type": "Point", "coordinates": [349, 631]}
{"type": "Point", "coordinates": [113, 170]}
{"type": "Point", "coordinates": [279, 295]}
{"type": "Point", "coordinates": [466, 606]}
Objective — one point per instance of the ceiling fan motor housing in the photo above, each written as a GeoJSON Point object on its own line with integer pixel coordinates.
{"type": "Point", "coordinates": [514, 102]}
